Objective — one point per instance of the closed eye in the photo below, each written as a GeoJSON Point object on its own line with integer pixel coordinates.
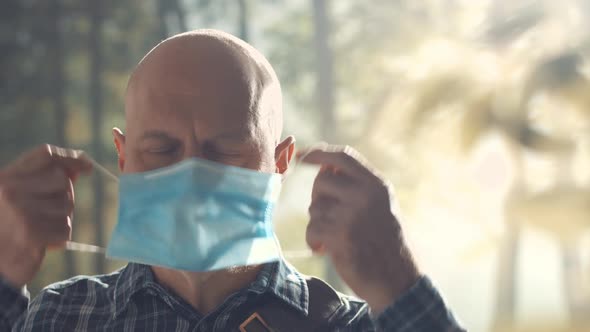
{"type": "Point", "coordinates": [214, 153]}
{"type": "Point", "coordinates": [162, 150]}
{"type": "Point", "coordinates": [158, 142]}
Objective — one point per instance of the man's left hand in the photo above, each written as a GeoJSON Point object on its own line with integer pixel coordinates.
{"type": "Point", "coordinates": [352, 221]}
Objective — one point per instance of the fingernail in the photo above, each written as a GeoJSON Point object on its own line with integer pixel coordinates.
{"type": "Point", "coordinates": [319, 250]}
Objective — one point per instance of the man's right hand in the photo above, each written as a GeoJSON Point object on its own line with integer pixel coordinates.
{"type": "Point", "coordinates": [36, 206]}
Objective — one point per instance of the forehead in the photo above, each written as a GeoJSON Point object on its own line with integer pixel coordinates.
{"type": "Point", "coordinates": [186, 82]}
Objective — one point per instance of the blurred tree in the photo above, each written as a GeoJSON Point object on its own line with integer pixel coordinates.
{"type": "Point", "coordinates": [47, 94]}
{"type": "Point", "coordinates": [296, 69]}
{"type": "Point", "coordinates": [56, 57]}
{"type": "Point", "coordinates": [243, 19]}
{"type": "Point", "coordinates": [564, 208]}
{"type": "Point", "coordinates": [402, 97]}
{"type": "Point", "coordinates": [96, 12]}
{"type": "Point", "coordinates": [561, 209]}
{"type": "Point", "coordinates": [171, 10]}
{"type": "Point", "coordinates": [372, 71]}
{"type": "Point", "coordinates": [162, 14]}
{"type": "Point", "coordinates": [213, 11]}
{"type": "Point", "coordinates": [23, 88]}
{"type": "Point", "coordinates": [324, 59]}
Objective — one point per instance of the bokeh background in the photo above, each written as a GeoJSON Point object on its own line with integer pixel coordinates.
{"type": "Point", "coordinates": [478, 111]}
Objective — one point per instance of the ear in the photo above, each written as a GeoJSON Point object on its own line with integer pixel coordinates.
{"type": "Point", "coordinates": [119, 139]}
{"type": "Point", "coordinates": [284, 153]}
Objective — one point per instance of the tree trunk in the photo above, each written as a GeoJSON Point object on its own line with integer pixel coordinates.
{"type": "Point", "coordinates": [505, 306]}
{"type": "Point", "coordinates": [577, 298]}
{"type": "Point", "coordinates": [96, 108]}
{"type": "Point", "coordinates": [324, 67]}
{"type": "Point", "coordinates": [506, 278]}
{"type": "Point", "coordinates": [180, 15]}
{"type": "Point", "coordinates": [325, 96]}
{"type": "Point", "coordinates": [162, 12]}
{"type": "Point", "coordinates": [58, 96]}
{"type": "Point", "coordinates": [243, 16]}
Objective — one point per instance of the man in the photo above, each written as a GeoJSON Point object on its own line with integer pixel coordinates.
{"type": "Point", "coordinates": [209, 95]}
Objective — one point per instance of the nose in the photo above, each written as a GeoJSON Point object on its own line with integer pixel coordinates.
{"type": "Point", "coordinates": [193, 150]}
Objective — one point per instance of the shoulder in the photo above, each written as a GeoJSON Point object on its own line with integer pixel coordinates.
{"type": "Point", "coordinates": [83, 283]}
{"type": "Point", "coordinates": [77, 289]}
{"type": "Point", "coordinates": [353, 312]}
{"type": "Point", "coordinates": [61, 305]}
{"type": "Point", "coordinates": [338, 309]}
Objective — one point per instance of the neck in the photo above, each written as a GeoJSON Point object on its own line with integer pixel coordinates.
{"type": "Point", "coordinates": [205, 291]}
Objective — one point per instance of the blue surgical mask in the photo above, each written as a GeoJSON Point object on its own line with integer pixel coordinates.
{"type": "Point", "coordinates": [196, 215]}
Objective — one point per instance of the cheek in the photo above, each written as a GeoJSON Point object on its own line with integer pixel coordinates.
{"type": "Point", "coordinates": [267, 161]}
{"type": "Point", "coordinates": [262, 159]}
{"type": "Point", "coordinates": [267, 148]}
{"type": "Point", "coordinates": [133, 162]}
{"type": "Point", "coordinates": [268, 166]}
{"type": "Point", "coordinates": [131, 166]}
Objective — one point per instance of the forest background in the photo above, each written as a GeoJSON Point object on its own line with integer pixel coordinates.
{"type": "Point", "coordinates": [477, 111]}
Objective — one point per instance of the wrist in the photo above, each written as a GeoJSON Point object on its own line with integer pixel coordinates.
{"type": "Point", "coordinates": [402, 277]}
{"type": "Point", "coordinates": [11, 277]}
{"type": "Point", "coordinates": [380, 300]}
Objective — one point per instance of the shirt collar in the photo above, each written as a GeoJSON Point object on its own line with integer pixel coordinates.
{"type": "Point", "coordinates": [132, 278]}
{"type": "Point", "coordinates": [279, 279]}
{"type": "Point", "coordinates": [283, 281]}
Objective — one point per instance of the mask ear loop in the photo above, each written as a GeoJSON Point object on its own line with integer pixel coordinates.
{"type": "Point", "coordinates": [303, 253]}
{"type": "Point", "coordinates": [297, 159]}
{"type": "Point", "coordinates": [101, 169]}
{"type": "Point", "coordinates": [83, 247]}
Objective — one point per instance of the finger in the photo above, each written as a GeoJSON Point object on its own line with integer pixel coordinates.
{"type": "Point", "coordinates": [330, 215]}
{"type": "Point", "coordinates": [50, 181]}
{"type": "Point", "coordinates": [343, 159]}
{"type": "Point", "coordinates": [43, 232]}
{"type": "Point", "coordinates": [327, 221]}
{"type": "Point", "coordinates": [72, 161]}
{"type": "Point", "coordinates": [53, 232]}
{"type": "Point", "coordinates": [321, 209]}
{"type": "Point", "coordinates": [315, 238]}
{"type": "Point", "coordinates": [319, 221]}
{"type": "Point", "coordinates": [36, 159]}
{"type": "Point", "coordinates": [323, 237]}
{"type": "Point", "coordinates": [337, 185]}
{"type": "Point", "coordinates": [50, 208]}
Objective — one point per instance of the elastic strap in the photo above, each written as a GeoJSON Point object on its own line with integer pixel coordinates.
{"type": "Point", "coordinates": [101, 169]}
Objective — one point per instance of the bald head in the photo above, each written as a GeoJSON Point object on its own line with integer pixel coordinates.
{"type": "Point", "coordinates": [200, 90]}
{"type": "Point", "coordinates": [200, 61]}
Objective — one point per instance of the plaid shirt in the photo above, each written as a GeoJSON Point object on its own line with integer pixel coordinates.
{"type": "Point", "coordinates": [130, 299]}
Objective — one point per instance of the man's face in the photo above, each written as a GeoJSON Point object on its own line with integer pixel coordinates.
{"type": "Point", "coordinates": [184, 102]}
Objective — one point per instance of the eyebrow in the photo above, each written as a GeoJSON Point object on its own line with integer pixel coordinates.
{"type": "Point", "coordinates": [156, 134]}
{"type": "Point", "coordinates": [232, 136]}
{"type": "Point", "coordinates": [241, 136]}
